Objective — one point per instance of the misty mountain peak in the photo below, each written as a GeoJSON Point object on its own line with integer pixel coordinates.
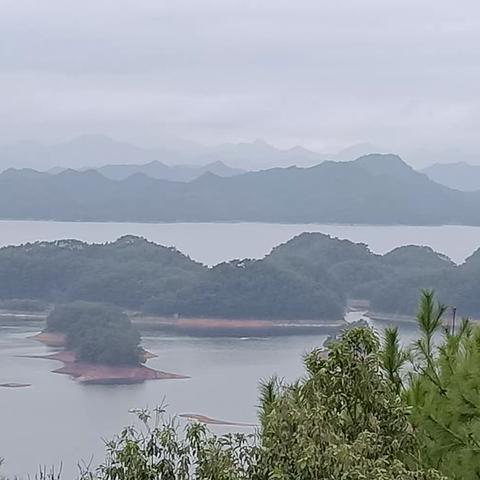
{"type": "Point", "coordinates": [216, 163]}
{"type": "Point", "coordinates": [298, 149]}
{"type": "Point", "coordinates": [206, 177]}
{"type": "Point", "coordinates": [22, 173]}
{"type": "Point", "coordinates": [385, 164]}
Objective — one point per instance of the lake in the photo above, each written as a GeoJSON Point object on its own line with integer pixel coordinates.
{"type": "Point", "coordinates": [57, 420]}
{"type": "Point", "coordinates": [212, 243]}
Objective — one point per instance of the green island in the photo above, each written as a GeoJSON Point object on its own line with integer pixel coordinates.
{"type": "Point", "coordinates": [98, 345]}
{"type": "Point", "coordinates": [97, 333]}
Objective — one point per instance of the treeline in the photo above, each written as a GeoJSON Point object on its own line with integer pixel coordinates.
{"type": "Point", "coordinates": [138, 275]}
{"type": "Point", "coordinates": [366, 409]}
{"type": "Point", "coordinates": [97, 333]}
{"type": "Point", "coordinates": [310, 277]}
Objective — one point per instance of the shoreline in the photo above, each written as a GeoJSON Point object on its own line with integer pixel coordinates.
{"type": "Point", "coordinates": [217, 327]}
{"type": "Point", "coordinates": [7, 316]}
{"type": "Point", "coordinates": [198, 326]}
{"type": "Point", "coordinates": [234, 222]}
{"type": "Point", "coordinates": [98, 374]}
{"type": "Point", "coordinates": [391, 317]}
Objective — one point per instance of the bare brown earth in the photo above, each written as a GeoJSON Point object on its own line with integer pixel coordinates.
{"type": "Point", "coordinates": [223, 323]}
{"type": "Point", "coordinates": [213, 421]}
{"type": "Point", "coordinates": [237, 327]}
{"type": "Point", "coordinates": [104, 374]}
{"type": "Point", "coordinates": [89, 373]}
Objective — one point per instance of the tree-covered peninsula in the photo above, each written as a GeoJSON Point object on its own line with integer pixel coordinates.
{"type": "Point", "coordinates": [311, 277]}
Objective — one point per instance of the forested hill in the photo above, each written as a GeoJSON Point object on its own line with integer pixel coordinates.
{"type": "Point", "coordinates": [379, 189]}
{"type": "Point", "coordinates": [310, 277]}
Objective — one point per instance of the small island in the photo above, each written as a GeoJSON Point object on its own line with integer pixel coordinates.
{"type": "Point", "coordinates": [14, 385]}
{"type": "Point", "coordinates": [101, 345]}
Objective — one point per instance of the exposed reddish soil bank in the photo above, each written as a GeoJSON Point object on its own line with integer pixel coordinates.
{"type": "Point", "coordinates": [213, 421]}
{"type": "Point", "coordinates": [212, 327]}
{"type": "Point", "coordinates": [14, 385]}
{"type": "Point", "coordinates": [89, 373]}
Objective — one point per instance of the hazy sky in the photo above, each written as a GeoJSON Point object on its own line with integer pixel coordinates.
{"type": "Point", "coordinates": [325, 74]}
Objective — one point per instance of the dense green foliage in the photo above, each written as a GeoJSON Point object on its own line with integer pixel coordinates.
{"type": "Point", "coordinates": [444, 393]}
{"type": "Point", "coordinates": [139, 275]}
{"type": "Point", "coordinates": [97, 333]}
{"type": "Point", "coordinates": [390, 282]}
{"type": "Point", "coordinates": [343, 421]}
{"type": "Point", "coordinates": [376, 189]}
{"type": "Point", "coordinates": [309, 277]}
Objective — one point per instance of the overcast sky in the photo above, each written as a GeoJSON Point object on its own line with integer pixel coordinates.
{"type": "Point", "coordinates": [324, 74]}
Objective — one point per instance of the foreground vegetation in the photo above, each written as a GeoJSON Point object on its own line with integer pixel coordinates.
{"type": "Point", "coordinates": [368, 409]}
{"type": "Point", "coordinates": [310, 277]}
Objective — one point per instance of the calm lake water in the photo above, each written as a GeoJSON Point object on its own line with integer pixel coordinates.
{"type": "Point", "coordinates": [57, 420]}
{"type": "Point", "coordinates": [211, 243]}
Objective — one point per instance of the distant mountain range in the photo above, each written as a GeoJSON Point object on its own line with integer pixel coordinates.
{"type": "Point", "coordinates": [459, 175]}
{"type": "Point", "coordinates": [86, 150]}
{"type": "Point", "coordinates": [94, 151]}
{"type": "Point", "coordinates": [158, 170]}
{"type": "Point", "coordinates": [374, 189]}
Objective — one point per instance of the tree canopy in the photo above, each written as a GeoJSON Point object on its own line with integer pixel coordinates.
{"type": "Point", "coordinates": [97, 333]}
